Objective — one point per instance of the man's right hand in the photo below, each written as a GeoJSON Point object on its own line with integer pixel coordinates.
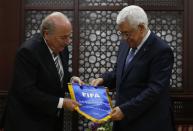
{"type": "Point", "coordinates": [70, 104]}
{"type": "Point", "coordinates": [76, 79]}
{"type": "Point", "coordinates": [96, 82]}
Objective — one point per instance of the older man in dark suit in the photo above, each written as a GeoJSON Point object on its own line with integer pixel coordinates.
{"type": "Point", "coordinates": [141, 76]}
{"type": "Point", "coordinates": [36, 99]}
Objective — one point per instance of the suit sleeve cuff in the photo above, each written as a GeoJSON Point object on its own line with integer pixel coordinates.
{"type": "Point", "coordinates": [60, 103]}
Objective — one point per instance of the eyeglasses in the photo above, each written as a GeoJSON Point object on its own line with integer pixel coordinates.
{"type": "Point", "coordinates": [126, 35]}
{"type": "Point", "coordinates": [65, 37]}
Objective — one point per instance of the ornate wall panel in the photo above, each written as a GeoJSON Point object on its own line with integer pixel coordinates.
{"type": "Point", "coordinates": [98, 43]}
{"type": "Point", "coordinates": [103, 2]}
{"type": "Point", "coordinates": [50, 3]}
{"type": "Point", "coordinates": [165, 3]}
{"type": "Point", "coordinates": [183, 107]}
{"type": "Point", "coordinates": [98, 38]}
{"type": "Point", "coordinates": [169, 26]}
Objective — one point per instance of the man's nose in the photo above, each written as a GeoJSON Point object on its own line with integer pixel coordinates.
{"type": "Point", "coordinates": [67, 40]}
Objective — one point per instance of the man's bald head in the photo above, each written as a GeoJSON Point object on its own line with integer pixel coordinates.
{"type": "Point", "coordinates": [51, 21]}
{"type": "Point", "coordinates": [56, 30]}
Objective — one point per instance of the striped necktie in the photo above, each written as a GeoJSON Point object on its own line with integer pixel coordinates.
{"type": "Point", "coordinates": [59, 68]}
{"type": "Point", "coordinates": [130, 56]}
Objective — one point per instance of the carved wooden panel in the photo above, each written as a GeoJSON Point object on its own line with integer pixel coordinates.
{"type": "Point", "coordinates": [97, 40]}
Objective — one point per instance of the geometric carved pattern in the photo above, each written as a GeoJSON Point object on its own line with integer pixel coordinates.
{"type": "Point", "coordinates": [169, 26]}
{"type": "Point", "coordinates": [99, 38]}
{"type": "Point", "coordinates": [98, 43]}
{"type": "Point", "coordinates": [53, 3]}
{"type": "Point", "coordinates": [165, 3]}
{"type": "Point", "coordinates": [33, 20]}
{"type": "Point", "coordinates": [103, 2]}
{"type": "Point", "coordinates": [183, 109]}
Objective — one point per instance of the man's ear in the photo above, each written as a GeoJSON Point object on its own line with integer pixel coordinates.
{"type": "Point", "coordinates": [141, 27]}
{"type": "Point", "coordinates": [45, 34]}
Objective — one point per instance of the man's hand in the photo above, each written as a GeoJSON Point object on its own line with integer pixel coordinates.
{"type": "Point", "coordinates": [96, 82]}
{"type": "Point", "coordinates": [116, 114]}
{"type": "Point", "coordinates": [76, 79]}
{"type": "Point", "coordinates": [70, 104]}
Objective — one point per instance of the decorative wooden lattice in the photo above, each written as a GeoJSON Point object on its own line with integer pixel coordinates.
{"type": "Point", "coordinates": [99, 40]}
{"type": "Point", "coordinates": [49, 3]}
{"type": "Point", "coordinates": [103, 2]}
{"type": "Point", "coordinates": [158, 3]}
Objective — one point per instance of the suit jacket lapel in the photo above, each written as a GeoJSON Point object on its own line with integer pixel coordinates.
{"type": "Point", "coordinates": [139, 54]}
{"type": "Point", "coordinates": [121, 60]}
{"type": "Point", "coordinates": [47, 59]}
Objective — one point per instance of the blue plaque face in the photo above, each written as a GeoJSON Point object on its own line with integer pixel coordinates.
{"type": "Point", "coordinates": [94, 101]}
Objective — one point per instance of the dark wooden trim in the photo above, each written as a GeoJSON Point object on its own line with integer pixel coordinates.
{"type": "Point", "coordinates": [184, 97]}
{"type": "Point", "coordinates": [3, 93]}
{"type": "Point", "coordinates": [183, 106]}
{"type": "Point", "coordinates": [162, 8]}
{"type": "Point", "coordinates": [118, 8]}
{"type": "Point", "coordinates": [190, 46]}
{"type": "Point", "coordinates": [131, 2]}
{"type": "Point", "coordinates": [44, 7]}
{"type": "Point", "coordinates": [100, 8]}
{"type": "Point", "coordinates": [181, 121]}
{"type": "Point", "coordinates": [185, 46]}
{"type": "Point", "coordinates": [10, 37]}
{"type": "Point", "coordinates": [75, 55]}
{"type": "Point", "coordinates": [22, 24]}
{"type": "Point", "coordinates": [181, 93]}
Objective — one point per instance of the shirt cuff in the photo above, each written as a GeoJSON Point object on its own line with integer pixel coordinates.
{"type": "Point", "coordinates": [60, 103]}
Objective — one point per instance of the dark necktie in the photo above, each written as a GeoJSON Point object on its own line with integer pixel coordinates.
{"type": "Point", "coordinates": [59, 68]}
{"type": "Point", "coordinates": [130, 56]}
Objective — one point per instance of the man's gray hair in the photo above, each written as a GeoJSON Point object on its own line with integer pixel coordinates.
{"type": "Point", "coordinates": [48, 23]}
{"type": "Point", "coordinates": [135, 16]}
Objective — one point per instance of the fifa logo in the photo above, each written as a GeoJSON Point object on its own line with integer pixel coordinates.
{"type": "Point", "coordinates": [90, 95]}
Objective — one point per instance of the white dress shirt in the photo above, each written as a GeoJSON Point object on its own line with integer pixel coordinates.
{"type": "Point", "coordinates": [61, 100]}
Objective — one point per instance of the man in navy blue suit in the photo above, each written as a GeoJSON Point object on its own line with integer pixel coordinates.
{"type": "Point", "coordinates": [36, 99]}
{"type": "Point", "coordinates": [141, 76]}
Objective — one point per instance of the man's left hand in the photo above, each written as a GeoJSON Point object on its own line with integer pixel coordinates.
{"type": "Point", "coordinates": [116, 114]}
{"type": "Point", "coordinates": [70, 104]}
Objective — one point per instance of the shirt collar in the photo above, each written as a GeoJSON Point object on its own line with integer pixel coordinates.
{"type": "Point", "coordinates": [143, 41]}
{"type": "Point", "coordinates": [50, 50]}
